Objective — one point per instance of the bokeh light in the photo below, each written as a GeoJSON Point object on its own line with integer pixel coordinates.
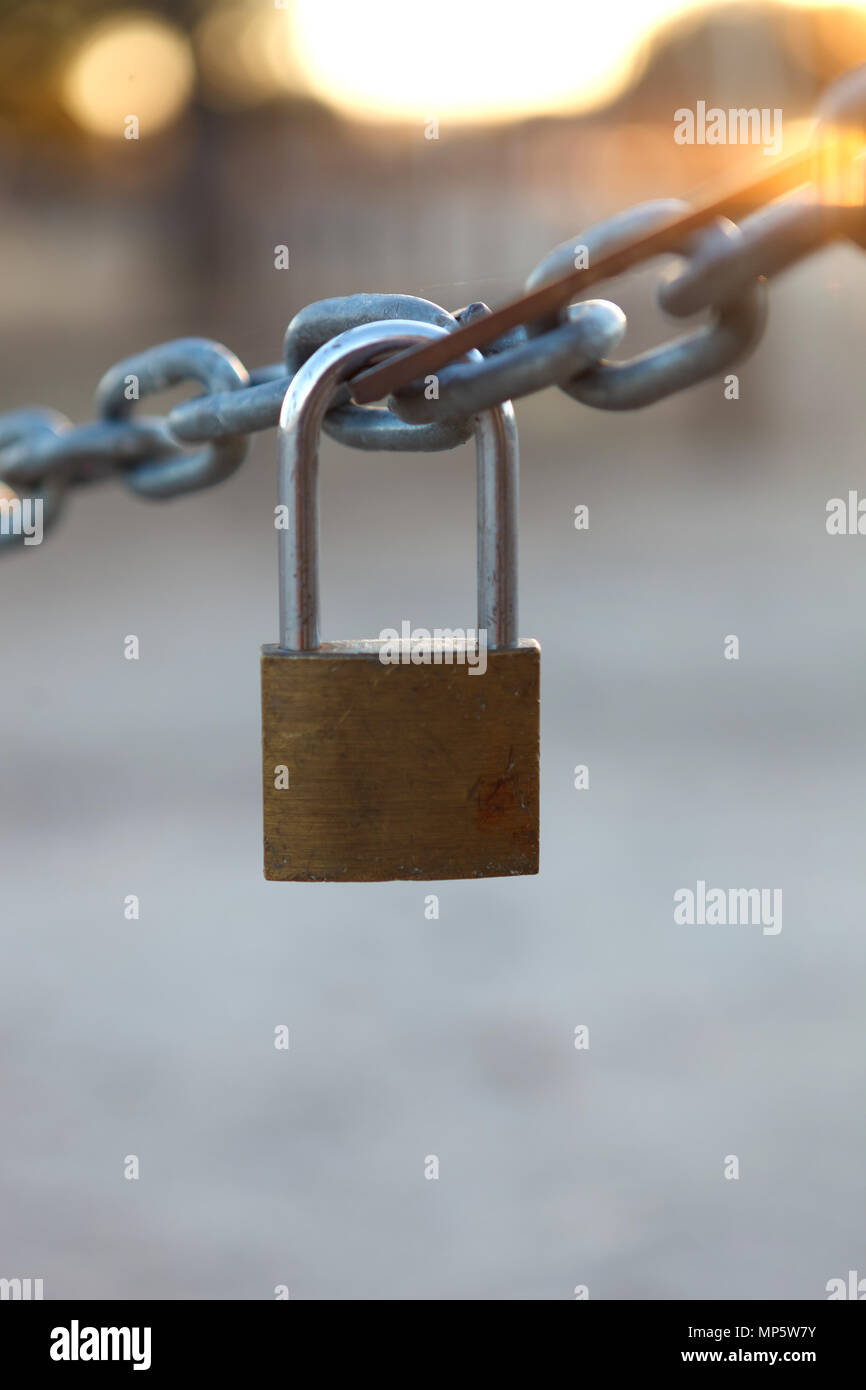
{"type": "Point", "coordinates": [247, 54]}
{"type": "Point", "coordinates": [134, 64]}
{"type": "Point", "coordinates": [474, 61]}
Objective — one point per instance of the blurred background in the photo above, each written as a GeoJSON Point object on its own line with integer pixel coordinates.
{"type": "Point", "coordinates": [304, 125]}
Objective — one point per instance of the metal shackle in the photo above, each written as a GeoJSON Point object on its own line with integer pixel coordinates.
{"type": "Point", "coordinates": [497, 472]}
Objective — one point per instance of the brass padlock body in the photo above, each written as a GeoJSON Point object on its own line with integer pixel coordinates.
{"type": "Point", "coordinates": [399, 771]}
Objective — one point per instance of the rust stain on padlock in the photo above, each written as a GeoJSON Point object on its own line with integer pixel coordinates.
{"type": "Point", "coordinates": [500, 800]}
{"type": "Point", "coordinates": [496, 796]}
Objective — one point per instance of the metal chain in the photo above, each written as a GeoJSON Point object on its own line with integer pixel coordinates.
{"type": "Point", "coordinates": [203, 441]}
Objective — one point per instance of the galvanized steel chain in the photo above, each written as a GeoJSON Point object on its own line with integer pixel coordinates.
{"type": "Point", "coordinates": [721, 270]}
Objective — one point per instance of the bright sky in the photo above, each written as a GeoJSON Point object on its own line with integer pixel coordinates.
{"type": "Point", "coordinates": [471, 59]}
{"type": "Point", "coordinates": [477, 59]}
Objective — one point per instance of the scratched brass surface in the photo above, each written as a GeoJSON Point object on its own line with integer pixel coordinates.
{"type": "Point", "coordinates": [399, 771]}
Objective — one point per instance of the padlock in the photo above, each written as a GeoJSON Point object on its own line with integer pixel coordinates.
{"type": "Point", "coordinates": [397, 760]}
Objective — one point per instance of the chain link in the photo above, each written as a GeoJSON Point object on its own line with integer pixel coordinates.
{"type": "Point", "coordinates": [202, 441]}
